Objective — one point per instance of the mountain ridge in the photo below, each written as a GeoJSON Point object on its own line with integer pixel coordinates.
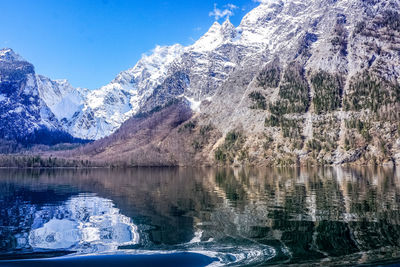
{"type": "Point", "coordinates": [314, 82]}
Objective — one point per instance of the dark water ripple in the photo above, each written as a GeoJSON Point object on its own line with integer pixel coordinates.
{"type": "Point", "coordinates": [199, 217]}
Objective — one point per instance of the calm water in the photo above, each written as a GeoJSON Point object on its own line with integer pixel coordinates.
{"type": "Point", "coordinates": [199, 217]}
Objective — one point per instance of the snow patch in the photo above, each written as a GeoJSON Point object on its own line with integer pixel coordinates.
{"type": "Point", "coordinates": [194, 105]}
{"type": "Point", "coordinates": [17, 110]}
{"type": "Point", "coordinates": [196, 238]}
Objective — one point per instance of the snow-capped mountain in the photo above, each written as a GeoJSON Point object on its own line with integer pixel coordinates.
{"type": "Point", "coordinates": [83, 113]}
{"type": "Point", "coordinates": [105, 109]}
{"type": "Point", "coordinates": [296, 81]}
{"type": "Point", "coordinates": [192, 72]}
{"type": "Point", "coordinates": [22, 109]}
{"type": "Point", "coordinates": [9, 55]}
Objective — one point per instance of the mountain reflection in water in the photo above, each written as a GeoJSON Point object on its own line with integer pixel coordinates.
{"type": "Point", "coordinates": [240, 216]}
{"type": "Point", "coordinates": [87, 223]}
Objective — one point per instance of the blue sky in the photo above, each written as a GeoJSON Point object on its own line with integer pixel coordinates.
{"type": "Point", "coordinates": [88, 42]}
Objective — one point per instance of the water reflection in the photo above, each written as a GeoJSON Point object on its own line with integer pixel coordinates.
{"type": "Point", "coordinates": [241, 216]}
{"type": "Point", "coordinates": [84, 222]}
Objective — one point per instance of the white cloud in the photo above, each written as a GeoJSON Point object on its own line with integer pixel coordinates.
{"type": "Point", "coordinates": [231, 6]}
{"type": "Point", "coordinates": [222, 13]}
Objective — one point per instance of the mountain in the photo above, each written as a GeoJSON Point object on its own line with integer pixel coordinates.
{"type": "Point", "coordinates": [25, 117]}
{"type": "Point", "coordinates": [156, 79]}
{"type": "Point", "coordinates": [165, 74]}
{"type": "Point", "coordinates": [80, 112]}
{"type": "Point", "coordinates": [107, 108]}
{"type": "Point", "coordinates": [297, 82]}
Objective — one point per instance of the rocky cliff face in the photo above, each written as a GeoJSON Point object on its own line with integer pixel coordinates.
{"type": "Point", "coordinates": [325, 91]}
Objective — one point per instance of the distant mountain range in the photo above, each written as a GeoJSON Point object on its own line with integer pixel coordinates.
{"type": "Point", "coordinates": [297, 82]}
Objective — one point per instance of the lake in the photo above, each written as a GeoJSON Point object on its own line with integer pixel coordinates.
{"type": "Point", "coordinates": [200, 217]}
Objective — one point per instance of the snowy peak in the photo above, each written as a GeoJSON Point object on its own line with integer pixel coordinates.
{"type": "Point", "coordinates": [7, 54]}
{"type": "Point", "coordinates": [215, 36]}
{"type": "Point", "coordinates": [152, 66]}
{"type": "Point", "coordinates": [229, 31]}
{"type": "Point", "coordinates": [215, 28]}
{"type": "Point", "coordinates": [209, 40]}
